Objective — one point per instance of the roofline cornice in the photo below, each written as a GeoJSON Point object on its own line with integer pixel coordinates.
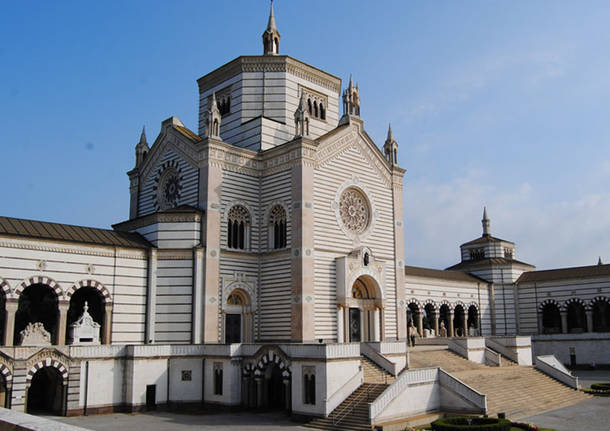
{"type": "Point", "coordinates": [268, 63]}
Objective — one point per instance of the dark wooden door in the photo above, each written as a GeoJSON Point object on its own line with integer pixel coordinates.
{"type": "Point", "coordinates": [151, 397]}
{"type": "Point", "coordinates": [233, 328]}
{"type": "Point", "coordinates": [355, 329]}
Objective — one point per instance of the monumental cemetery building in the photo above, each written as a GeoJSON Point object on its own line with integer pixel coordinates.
{"type": "Point", "coordinates": [262, 266]}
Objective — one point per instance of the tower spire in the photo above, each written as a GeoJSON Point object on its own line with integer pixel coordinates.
{"type": "Point", "coordinates": [486, 222]}
{"type": "Point", "coordinates": [390, 148]}
{"type": "Point", "coordinates": [271, 36]}
{"type": "Point", "coordinates": [141, 148]}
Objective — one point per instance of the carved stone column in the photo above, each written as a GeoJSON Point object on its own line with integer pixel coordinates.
{"type": "Point", "coordinates": [589, 320]}
{"type": "Point", "coordinates": [287, 394]}
{"type": "Point", "coordinates": [564, 321]}
{"type": "Point", "coordinates": [420, 323]}
{"type": "Point", "coordinates": [451, 329]}
{"type": "Point", "coordinates": [540, 322]}
{"type": "Point", "coordinates": [63, 323]}
{"type": "Point", "coordinates": [340, 323]}
{"type": "Point", "coordinates": [381, 324]}
{"type": "Point", "coordinates": [259, 391]}
{"type": "Point", "coordinates": [376, 325]}
{"type": "Point", "coordinates": [436, 315]}
{"type": "Point", "coordinates": [107, 330]}
{"type": "Point", "coordinates": [9, 324]}
{"type": "Point", "coordinates": [465, 325]}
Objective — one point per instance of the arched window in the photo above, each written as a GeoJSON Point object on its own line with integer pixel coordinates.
{"type": "Point", "coordinates": [309, 107]}
{"type": "Point", "coordinates": [601, 315]}
{"type": "Point", "coordinates": [277, 227]}
{"type": "Point", "coordinates": [238, 228]}
{"type": "Point", "coordinates": [577, 318]}
{"type": "Point", "coordinates": [322, 112]}
{"type": "Point", "coordinates": [238, 317]}
{"type": "Point", "coordinates": [551, 319]}
{"type": "Point", "coordinates": [473, 321]}
{"type": "Point", "coordinates": [315, 109]}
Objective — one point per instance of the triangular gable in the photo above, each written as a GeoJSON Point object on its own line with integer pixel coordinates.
{"type": "Point", "coordinates": [178, 141]}
{"type": "Point", "coordinates": [333, 145]}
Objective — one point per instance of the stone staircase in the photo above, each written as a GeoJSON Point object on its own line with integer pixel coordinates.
{"type": "Point", "coordinates": [373, 373]}
{"type": "Point", "coordinates": [515, 390]}
{"type": "Point", "coordinates": [353, 413]}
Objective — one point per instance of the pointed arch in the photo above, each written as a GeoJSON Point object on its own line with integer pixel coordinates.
{"type": "Point", "coordinates": [546, 302]}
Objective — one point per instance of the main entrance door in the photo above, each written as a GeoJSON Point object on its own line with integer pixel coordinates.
{"type": "Point", "coordinates": [233, 328]}
{"type": "Point", "coordinates": [45, 394]}
{"type": "Point", "coordinates": [355, 330]}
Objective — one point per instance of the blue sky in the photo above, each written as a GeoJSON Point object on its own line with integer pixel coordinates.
{"type": "Point", "coordinates": [504, 104]}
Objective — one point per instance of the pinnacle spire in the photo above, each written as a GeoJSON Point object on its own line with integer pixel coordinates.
{"type": "Point", "coordinates": [271, 36]}
{"type": "Point", "coordinates": [351, 81]}
{"type": "Point", "coordinates": [143, 136]}
{"type": "Point", "coordinates": [486, 222]}
{"type": "Point", "coordinates": [390, 134]}
{"type": "Point", "coordinates": [271, 24]}
{"type": "Point", "coordinates": [599, 261]}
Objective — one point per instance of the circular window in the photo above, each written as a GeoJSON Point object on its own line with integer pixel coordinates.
{"type": "Point", "coordinates": [354, 210]}
{"type": "Point", "coordinates": [169, 189]}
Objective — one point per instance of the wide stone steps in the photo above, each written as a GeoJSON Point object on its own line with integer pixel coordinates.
{"type": "Point", "coordinates": [353, 413]}
{"type": "Point", "coordinates": [515, 390]}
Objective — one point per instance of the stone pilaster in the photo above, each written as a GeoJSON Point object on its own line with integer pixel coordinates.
{"type": "Point", "coordinates": [151, 295]}
{"type": "Point", "coordinates": [399, 253]}
{"type": "Point", "coordinates": [451, 328]}
{"type": "Point", "coordinates": [63, 323]}
{"type": "Point", "coordinates": [197, 307]}
{"type": "Point", "coordinates": [589, 320]}
{"type": "Point", "coordinates": [302, 290]}
{"type": "Point", "coordinates": [9, 325]}
{"type": "Point", "coordinates": [564, 321]}
{"type": "Point", "coordinates": [209, 197]}
{"type": "Point", "coordinates": [107, 334]}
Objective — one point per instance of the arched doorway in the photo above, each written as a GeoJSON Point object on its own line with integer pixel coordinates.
{"type": "Point", "coordinates": [459, 321]}
{"type": "Point", "coordinates": [37, 303]}
{"type": "Point", "coordinates": [364, 311]}
{"type": "Point", "coordinates": [577, 318]}
{"type": "Point", "coordinates": [444, 321]}
{"type": "Point", "coordinates": [413, 317]}
{"type": "Point", "coordinates": [3, 392]}
{"type": "Point", "coordinates": [429, 323]}
{"type": "Point", "coordinates": [551, 319]}
{"type": "Point", "coordinates": [274, 389]}
{"type": "Point", "coordinates": [46, 392]}
{"type": "Point", "coordinates": [238, 317]}
{"type": "Point", "coordinates": [95, 303]}
{"type": "Point", "coordinates": [601, 315]}
{"type": "Point", "coordinates": [473, 321]}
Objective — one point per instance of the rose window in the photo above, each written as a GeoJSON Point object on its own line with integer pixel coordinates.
{"type": "Point", "coordinates": [354, 210]}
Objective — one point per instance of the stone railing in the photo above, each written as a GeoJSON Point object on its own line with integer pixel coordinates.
{"type": "Point", "coordinates": [477, 399]}
{"type": "Point", "coordinates": [341, 394]}
{"type": "Point", "coordinates": [389, 347]}
{"type": "Point", "coordinates": [378, 358]}
{"type": "Point", "coordinates": [407, 378]}
{"type": "Point", "coordinates": [515, 348]}
{"type": "Point", "coordinates": [552, 367]}
{"type": "Point", "coordinates": [458, 346]}
{"type": "Point", "coordinates": [16, 421]}
{"type": "Point", "coordinates": [492, 358]}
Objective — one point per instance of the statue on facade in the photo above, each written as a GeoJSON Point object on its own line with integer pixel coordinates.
{"type": "Point", "coordinates": [412, 334]}
{"type": "Point", "coordinates": [443, 330]}
{"type": "Point", "coordinates": [34, 335]}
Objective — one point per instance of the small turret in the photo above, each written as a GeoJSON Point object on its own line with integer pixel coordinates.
{"type": "Point", "coordinates": [271, 37]}
{"type": "Point", "coordinates": [142, 148]}
{"type": "Point", "coordinates": [301, 118]}
{"type": "Point", "coordinates": [212, 119]}
{"type": "Point", "coordinates": [390, 148]}
{"type": "Point", "coordinates": [351, 99]}
{"type": "Point", "coordinates": [486, 223]}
